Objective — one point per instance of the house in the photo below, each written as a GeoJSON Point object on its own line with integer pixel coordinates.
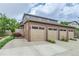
{"type": "Point", "coordinates": [74, 24]}
{"type": "Point", "coordinates": [38, 28]}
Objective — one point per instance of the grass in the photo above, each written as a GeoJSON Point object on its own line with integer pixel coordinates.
{"type": "Point", "coordinates": [74, 39]}
{"type": "Point", "coordinates": [5, 40]}
{"type": "Point", "coordinates": [65, 40]}
{"type": "Point", "coordinates": [51, 41]}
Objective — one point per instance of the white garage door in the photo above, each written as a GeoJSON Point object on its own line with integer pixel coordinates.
{"type": "Point", "coordinates": [63, 34]}
{"type": "Point", "coordinates": [71, 34]}
{"type": "Point", "coordinates": [37, 33]}
{"type": "Point", "coordinates": [52, 34]}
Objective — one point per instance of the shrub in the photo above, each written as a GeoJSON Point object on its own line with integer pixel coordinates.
{"type": "Point", "coordinates": [2, 33]}
{"type": "Point", "coordinates": [17, 34]}
{"type": "Point", "coordinates": [71, 39]}
{"type": "Point", "coordinates": [5, 40]}
{"type": "Point", "coordinates": [51, 41]}
{"type": "Point", "coordinates": [74, 39]}
{"type": "Point", "coordinates": [64, 39]}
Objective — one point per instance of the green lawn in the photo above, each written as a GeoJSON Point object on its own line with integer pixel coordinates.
{"type": "Point", "coordinates": [5, 40]}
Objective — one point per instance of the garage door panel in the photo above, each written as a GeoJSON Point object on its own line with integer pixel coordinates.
{"type": "Point", "coordinates": [63, 34]}
{"type": "Point", "coordinates": [37, 34]}
{"type": "Point", "coordinates": [71, 35]}
{"type": "Point", "coordinates": [52, 35]}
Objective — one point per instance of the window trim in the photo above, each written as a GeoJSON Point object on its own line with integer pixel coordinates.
{"type": "Point", "coordinates": [41, 28]}
{"type": "Point", "coordinates": [34, 27]}
{"type": "Point", "coordinates": [62, 29]}
{"type": "Point", "coordinates": [52, 29]}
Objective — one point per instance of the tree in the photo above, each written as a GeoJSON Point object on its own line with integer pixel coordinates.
{"type": "Point", "coordinates": [64, 23]}
{"type": "Point", "coordinates": [7, 23]}
{"type": "Point", "coordinates": [3, 22]}
{"type": "Point", "coordinates": [12, 25]}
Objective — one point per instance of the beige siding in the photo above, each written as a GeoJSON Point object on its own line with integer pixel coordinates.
{"type": "Point", "coordinates": [39, 35]}
{"type": "Point", "coordinates": [71, 33]}
{"type": "Point", "coordinates": [26, 30]}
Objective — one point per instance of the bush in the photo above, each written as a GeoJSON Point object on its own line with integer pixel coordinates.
{"type": "Point", "coordinates": [74, 39]}
{"type": "Point", "coordinates": [2, 34]}
{"type": "Point", "coordinates": [63, 39]}
{"type": "Point", "coordinates": [66, 40]}
{"type": "Point", "coordinates": [51, 41]}
{"type": "Point", "coordinates": [17, 34]}
{"type": "Point", "coordinates": [5, 40]}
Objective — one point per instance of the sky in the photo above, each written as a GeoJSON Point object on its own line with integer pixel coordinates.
{"type": "Point", "coordinates": [57, 11]}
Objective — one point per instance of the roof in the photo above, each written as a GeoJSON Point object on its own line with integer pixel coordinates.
{"type": "Point", "coordinates": [53, 24]}
{"type": "Point", "coordinates": [48, 22]}
{"type": "Point", "coordinates": [40, 17]}
{"type": "Point", "coordinates": [75, 22]}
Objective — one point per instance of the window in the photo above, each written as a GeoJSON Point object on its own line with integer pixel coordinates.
{"type": "Point", "coordinates": [55, 29]}
{"type": "Point", "coordinates": [52, 29]}
{"type": "Point", "coordinates": [62, 30]}
{"type": "Point", "coordinates": [41, 28]}
{"type": "Point", "coordinates": [34, 27]}
{"type": "Point", "coordinates": [68, 30]}
{"type": "Point", "coordinates": [71, 30]}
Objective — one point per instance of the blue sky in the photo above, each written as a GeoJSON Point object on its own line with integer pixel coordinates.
{"type": "Point", "coordinates": [58, 11]}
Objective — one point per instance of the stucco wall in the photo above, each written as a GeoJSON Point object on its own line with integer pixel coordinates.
{"type": "Point", "coordinates": [25, 30]}
{"type": "Point", "coordinates": [37, 34]}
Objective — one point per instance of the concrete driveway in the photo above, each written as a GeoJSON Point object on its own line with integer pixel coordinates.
{"type": "Point", "coordinates": [20, 47]}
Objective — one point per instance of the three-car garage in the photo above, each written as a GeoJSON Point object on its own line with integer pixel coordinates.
{"type": "Point", "coordinates": [41, 29]}
{"type": "Point", "coordinates": [42, 32]}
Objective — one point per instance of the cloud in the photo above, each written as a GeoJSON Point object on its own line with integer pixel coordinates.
{"type": "Point", "coordinates": [60, 11]}
{"type": "Point", "coordinates": [15, 10]}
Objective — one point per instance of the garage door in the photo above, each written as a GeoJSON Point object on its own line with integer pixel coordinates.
{"type": "Point", "coordinates": [37, 33]}
{"type": "Point", "coordinates": [63, 34]}
{"type": "Point", "coordinates": [71, 34]}
{"type": "Point", "coordinates": [52, 34]}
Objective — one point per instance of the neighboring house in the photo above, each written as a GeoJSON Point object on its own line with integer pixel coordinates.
{"type": "Point", "coordinates": [38, 28]}
{"type": "Point", "coordinates": [74, 24]}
